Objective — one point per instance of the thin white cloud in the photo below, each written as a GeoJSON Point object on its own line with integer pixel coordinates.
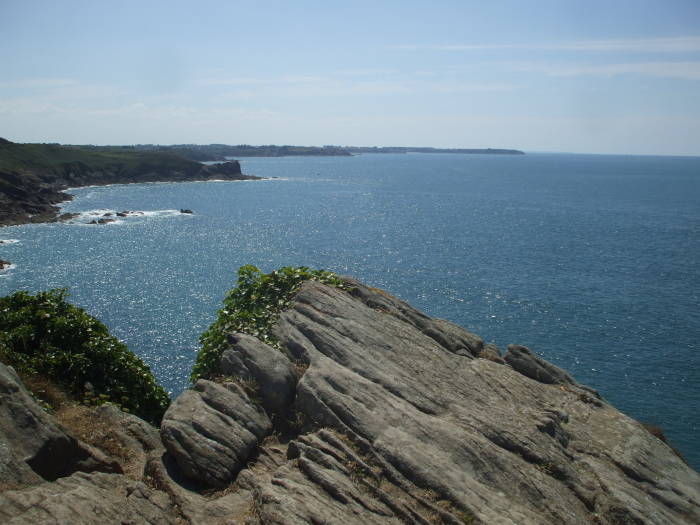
{"type": "Point", "coordinates": [38, 83]}
{"type": "Point", "coordinates": [53, 89]}
{"type": "Point", "coordinates": [365, 72]}
{"type": "Point", "coordinates": [682, 44]}
{"type": "Point", "coordinates": [343, 84]}
{"type": "Point", "coordinates": [641, 45]}
{"type": "Point", "coordinates": [230, 81]}
{"type": "Point", "coordinates": [684, 70]}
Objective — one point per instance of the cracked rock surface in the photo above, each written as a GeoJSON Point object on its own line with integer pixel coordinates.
{"type": "Point", "coordinates": [375, 413]}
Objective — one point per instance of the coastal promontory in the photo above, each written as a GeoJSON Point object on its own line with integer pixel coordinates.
{"type": "Point", "coordinates": [34, 177]}
{"type": "Point", "coordinates": [319, 399]}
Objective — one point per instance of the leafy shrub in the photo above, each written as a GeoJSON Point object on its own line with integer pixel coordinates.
{"type": "Point", "coordinates": [252, 308]}
{"type": "Point", "coordinates": [44, 336]}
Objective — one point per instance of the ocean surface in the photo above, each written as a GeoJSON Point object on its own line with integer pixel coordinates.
{"type": "Point", "coordinates": [593, 261]}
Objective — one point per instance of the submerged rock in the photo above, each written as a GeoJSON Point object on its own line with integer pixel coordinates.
{"type": "Point", "coordinates": [67, 216]}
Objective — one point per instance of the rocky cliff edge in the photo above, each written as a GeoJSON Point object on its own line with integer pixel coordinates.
{"type": "Point", "coordinates": [372, 413]}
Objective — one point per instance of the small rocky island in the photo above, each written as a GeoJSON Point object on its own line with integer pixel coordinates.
{"type": "Point", "coordinates": [34, 177]}
{"type": "Point", "coordinates": [319, 399]}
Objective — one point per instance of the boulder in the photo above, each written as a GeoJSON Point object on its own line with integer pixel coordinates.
{"type": "Point", "coordinates": [522, 359]}
{"type": "Point", "coordinates": [212, 430]}
{"type": "Point", "coordinates": [272, 372]}
{"type": "Point", "coordinates": [67, 216]}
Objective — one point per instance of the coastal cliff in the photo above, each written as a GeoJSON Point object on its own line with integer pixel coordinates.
{"type": "Point", "coordinates": [319, 399]}
{"type": "Point", "coordinates": [34, 177]}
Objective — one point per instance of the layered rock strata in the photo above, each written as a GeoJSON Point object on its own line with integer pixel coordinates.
{"type": "Point", "coordinates": [34, 196]}
{"type": "Point", "coordinates": [372, 413]}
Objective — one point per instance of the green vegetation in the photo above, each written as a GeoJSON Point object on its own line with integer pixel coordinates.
{"type": "Point", "coordinates": [52, 158]}
{"type": "Point", "coordinates": [44, 337]}
{"type": "Point", "coordinates": [204, 152]}
{"type": "Point", "coordinates": [252, 308]}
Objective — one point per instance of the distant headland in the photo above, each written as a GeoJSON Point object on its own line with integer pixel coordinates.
{"type": "Point", "coordinates": [220, 152]}
{"type": "Point", "coordinates": [34, 177]}
{"type": "Point", "coordinates": [402, 149]}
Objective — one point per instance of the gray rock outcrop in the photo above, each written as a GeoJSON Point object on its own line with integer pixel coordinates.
{"type": "Point", "coordinates": [212, 430]}
{"type": "Point", "coordinates": [372, 413]}
{"type": "Point", "coordinates": [273, 374]}
{"type": "Point", "coordinates": [488, 439]}
{"type": "Point", "coordinates": [88, 499]}
{"type": "Point", "coordinates": [33, 447]}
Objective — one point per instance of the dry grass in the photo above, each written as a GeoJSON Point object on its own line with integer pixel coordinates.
{"type": "Point", "coordinates": [658, 432]}
{"type": "Point", "coordinates": [86, 424]}
{"type": "Point", "coordinates": [299, 369]}
{"type": "Point", "coordinates": [248, 384]}
{"type": "Point", "coordinates": [50, 396]}
{"type": "Point", "coordinates": [379, 291]}
{"type": "Point", "coordinates": [11, 485]}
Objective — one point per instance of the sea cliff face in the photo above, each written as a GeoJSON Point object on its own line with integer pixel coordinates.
{"type": "Point", "coordinates": [34, 177]}
{"type": "Point", "coordinates": [33, 196]}
{"type": "Point", "coordinates": [371, 412]}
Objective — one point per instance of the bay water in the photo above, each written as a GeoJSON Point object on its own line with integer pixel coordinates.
{"type": "Point", "coordinates": [590, 260]}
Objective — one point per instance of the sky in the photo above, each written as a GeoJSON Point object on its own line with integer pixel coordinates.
{"type": "Point", "coordinates": [591, 76]}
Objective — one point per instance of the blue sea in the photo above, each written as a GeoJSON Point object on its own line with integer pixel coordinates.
{"type": "Point", "coordinates": [593, 261]}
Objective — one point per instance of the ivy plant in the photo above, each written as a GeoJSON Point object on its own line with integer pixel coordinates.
{"type": "Point", "coordinates": [252, 308]}
{"type": "Point", "coordinates": [44, 336]}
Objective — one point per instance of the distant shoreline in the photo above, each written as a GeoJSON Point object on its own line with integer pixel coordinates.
{"type": "Point", "coordinates": [221, 152]}
{"type": "Point", "coordinates": [47, 207]}
{"type": "Point", "coordinates": [34, 177]}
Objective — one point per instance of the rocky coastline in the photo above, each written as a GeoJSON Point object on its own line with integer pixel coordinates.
{"type": "Point", "coordinates": [34, 197]}
{"type": "Point", "coordinates": [31, 188]}
{"type": "Point", "coordinates": [357, 408]}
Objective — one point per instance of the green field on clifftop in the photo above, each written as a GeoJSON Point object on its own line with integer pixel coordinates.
{"type": "Point", "coordinates": [51, 157]}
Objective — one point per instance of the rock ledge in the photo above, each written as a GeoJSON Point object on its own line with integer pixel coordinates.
{"type": "Point", "coordinates": [374, 413]}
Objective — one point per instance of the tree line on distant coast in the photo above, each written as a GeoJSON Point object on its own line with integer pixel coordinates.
{"type": "Point", "coordinates": [220, 152]}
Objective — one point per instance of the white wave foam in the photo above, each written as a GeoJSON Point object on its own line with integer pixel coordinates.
{"type": "Point", "coordinates": [160, 213]}
{"type": "Point", "coordinates": [5, 270]}
{"type": "Point", "coordinates": [95, 213]}
{"type": "Point", "coordinates": [115, 217]}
